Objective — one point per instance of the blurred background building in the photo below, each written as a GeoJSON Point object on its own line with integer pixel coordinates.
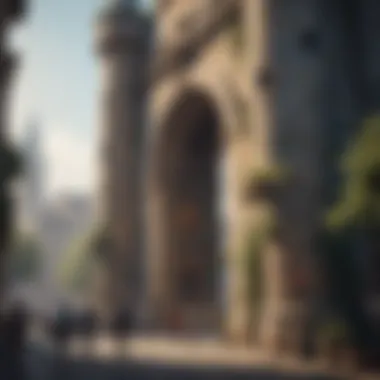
{"type": "Point", "coordinates": [55, 223]}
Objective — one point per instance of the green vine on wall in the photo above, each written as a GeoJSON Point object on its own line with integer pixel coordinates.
{"type": "Point", "coordinates": [86, 254]}
{"type": "Point", "coordinates": [10, 166]}
{"type": "Point", "coordinates": [253, 250]}
{"type": "Point", "coordinates": [354, 217]}
{"type": "Point", "coordinates": [359, 202]}
{"type": "Point", "coordinates": [253, 255]}
{"type": "Point", "coordinates": [264, 184]}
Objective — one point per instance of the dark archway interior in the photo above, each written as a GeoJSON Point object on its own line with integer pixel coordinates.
{"type": "Point", "coordinates": [190, 184]}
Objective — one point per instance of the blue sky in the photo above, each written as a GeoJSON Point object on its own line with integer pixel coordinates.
{"type": "Point", "coordinates": [56, 87]}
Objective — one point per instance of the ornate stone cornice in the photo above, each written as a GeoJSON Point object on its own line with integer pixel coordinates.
{"type": "Point", "coordinates": [178, 54]}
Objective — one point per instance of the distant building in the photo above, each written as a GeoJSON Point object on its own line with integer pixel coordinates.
{"type": "Point", "coordinates": [56, 223]}
{"type": "Point", "coordinates": [65, 219]}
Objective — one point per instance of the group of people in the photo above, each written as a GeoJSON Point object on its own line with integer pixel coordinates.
{"type": "Point", "coordinates": [85, 323]}
{"type": "Point", "coordinates": [13, 339]}
{"type": "Point", "coordinates": [14, 327]}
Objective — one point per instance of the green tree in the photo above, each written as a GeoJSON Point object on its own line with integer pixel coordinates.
{"type": "Point", "coordinates": [81, 258]}
{"type": "Point", "coordinates": [10, 162]}
{"type": "Point", "coordinates": [25, 259]}
{"type": "Point", "coordinates": [10, 165]}
{"type": "Point", "coordinates": [359, 201]}
{"type": "Point", "coordinates": [355, 214]}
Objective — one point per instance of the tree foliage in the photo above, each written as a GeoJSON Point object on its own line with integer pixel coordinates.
{"type": "Point", "coordinates": [359, 201]}
{"type": "Point", "coordinates": [81, 258]}
{"type": "Point", "coordinates": [25, 259]}
{"type": "Point", "coordinates": [264, 184]}
{"type": "Point", "coordinates": [356, 213]}
{"type": "Point", "coordinates": [10, 165]}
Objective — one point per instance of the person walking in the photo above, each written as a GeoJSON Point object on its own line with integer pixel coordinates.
{"type": "Point", "coordinates": [15, 328]}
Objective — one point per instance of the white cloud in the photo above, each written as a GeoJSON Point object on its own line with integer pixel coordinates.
{"type": "Point", "coordinates": [70, 160]}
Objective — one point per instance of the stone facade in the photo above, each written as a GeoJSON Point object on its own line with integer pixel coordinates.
{"type": "Point", "coordinates": [250, 84]}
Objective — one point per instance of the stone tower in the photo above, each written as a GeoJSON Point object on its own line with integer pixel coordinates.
{"type": "Point", "coordinates": [122, 37]}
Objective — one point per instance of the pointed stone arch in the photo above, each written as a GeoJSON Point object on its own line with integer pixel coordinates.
{"type": "Point", "coordinates": [187, 254]}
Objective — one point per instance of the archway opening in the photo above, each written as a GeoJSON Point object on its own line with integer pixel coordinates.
{"type": "Point", "coordinates": [191, 191]}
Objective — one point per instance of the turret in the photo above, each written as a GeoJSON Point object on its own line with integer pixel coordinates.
{"type": "Point", "coordinates": [122, 42]}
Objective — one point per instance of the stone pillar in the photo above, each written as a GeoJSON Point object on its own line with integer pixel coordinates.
{"type": "Point", "coordinates": [244, 153]}
{"type": "Point", "coordinates": [122, 42]}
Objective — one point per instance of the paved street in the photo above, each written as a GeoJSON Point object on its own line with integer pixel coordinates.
{"type": "Point", "coordinates": [43, 366]}
{"type": "Point", "coordinates": [159, 358]}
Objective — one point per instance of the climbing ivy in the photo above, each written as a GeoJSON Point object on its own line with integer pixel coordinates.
{"type": "Point", "coordinates": [253, 255]}
{"type": "Point", "coordinates": [263, 184]}
{"type": "Point", "coordinates": [82, 257]}
{"type": "Point", "coordinates": [25, 258]}
{"type": "Point", "coordinates": [355, 214]}
{"type": "Point", "coordinates": [359, 202]}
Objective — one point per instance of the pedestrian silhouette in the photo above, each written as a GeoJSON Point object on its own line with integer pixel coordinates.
{"type": "Point", "coordinates": [61, 329]}
{"type": "Point", "coordinates": [121, 326]}
{"type": "Point", "coordinates": [15, 337]}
